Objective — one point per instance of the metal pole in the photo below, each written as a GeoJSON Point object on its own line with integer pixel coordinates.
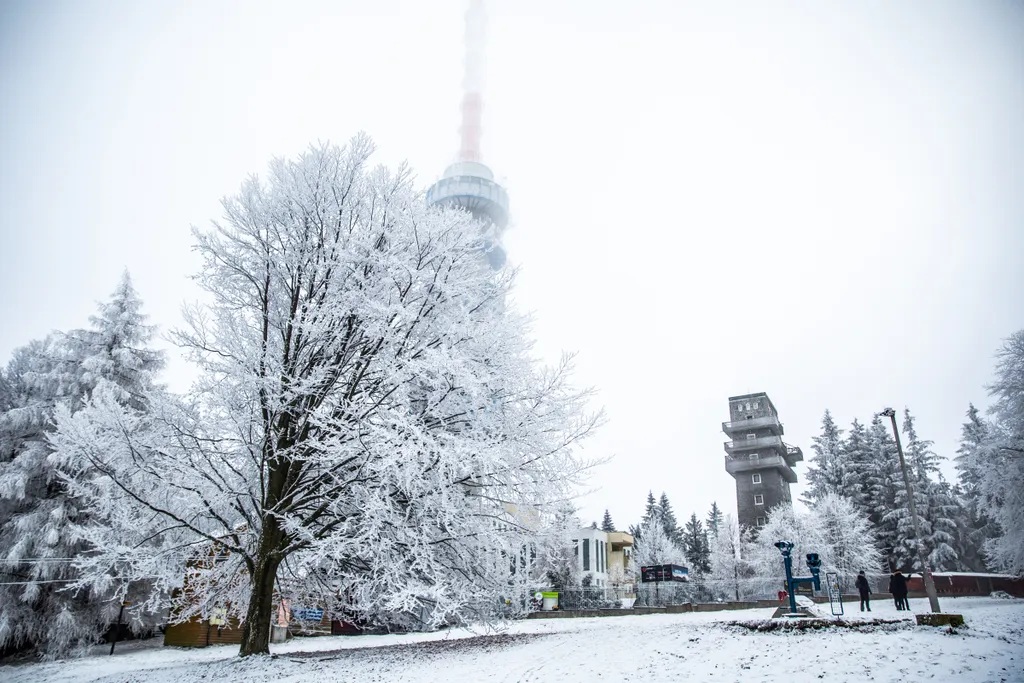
{"type": "Point", "coordinates": [929, 583]}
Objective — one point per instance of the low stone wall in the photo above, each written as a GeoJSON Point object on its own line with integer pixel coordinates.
{"type": "Point", "coordinates": [669, 609]}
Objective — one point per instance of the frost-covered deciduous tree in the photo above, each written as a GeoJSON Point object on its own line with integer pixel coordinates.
{"type": "Point", "coordinates": [40, 518]}
{"type": "Point", "coordinates": [841, 535]}
{"type": "Point", "coordinates": [653, 547]}
{"type": "Point", "coordinates": [368, 422]}
{"type": "Point", "coordinates": [826, 473]}
{"type": "Point", "coordinates": [729, 572]}
{"type": "Point", "coordinates": [561, 563]}
{"type": "Point", "coordinates": [848, 544]}
{"type": "Point", "coordinates": [1000, 461]}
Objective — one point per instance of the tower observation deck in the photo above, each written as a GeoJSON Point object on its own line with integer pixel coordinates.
{"type": "Point", "coordinates": [757, 458]}
{"type": "Point", "coordinates": [469, 183]}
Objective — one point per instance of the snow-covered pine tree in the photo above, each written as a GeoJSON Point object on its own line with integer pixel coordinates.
{"type": "Point", "coordinates": [714, 520]}
{"type": "Point", "coordinates": [935, 510]}
{"type": "Point", "coordinates": [1001, 460]}
{"type": "Point", "coordinates": [883, 484]}
{"type": "Point", "coordinates": [42, 520]}
{"type": "Point", "coordinates": [695, 546]}
{"type": "Point", "coordinates": [974, 526]}
{"type": "Point", "coordinates": [652, 511]}
{"type": "Point", "coordinates": [859, 468]}
{"type": "Point", "coordinates": [367, 411]}
{"type": "Point", "coordinates": [607, 524]}
{"type": "Point", "coordinates": [668, 518]}
{"type": "Point", "coordinates": [826, 473]}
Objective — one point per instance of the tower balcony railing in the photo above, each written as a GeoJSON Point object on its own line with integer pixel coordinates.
{"type": "Point", "coordinates": [739, 464]}
{"type": "Point", "coordinates": [761, 442]}
{"type": "Point", "coordinates": [763, 422]}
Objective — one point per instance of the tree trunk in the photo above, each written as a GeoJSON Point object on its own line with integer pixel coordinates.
{"type": "Point", "coordinates": [256, 634]}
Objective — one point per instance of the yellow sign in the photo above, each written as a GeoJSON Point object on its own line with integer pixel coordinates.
{"type": "Point", "coordinates": [219, 616]}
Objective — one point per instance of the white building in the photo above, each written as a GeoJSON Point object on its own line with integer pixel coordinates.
{"type": "Point", "coordinates": [606, 556]}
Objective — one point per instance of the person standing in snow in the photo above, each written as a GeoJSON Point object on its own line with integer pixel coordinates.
{"type": "Point", "coordinates": [898, 588]}
{"type": "Point", "coordinates": [865, 591]}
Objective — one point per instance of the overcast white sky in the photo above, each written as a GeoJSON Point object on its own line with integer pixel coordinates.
{"type": "Point", "coordinates": [821, 200]}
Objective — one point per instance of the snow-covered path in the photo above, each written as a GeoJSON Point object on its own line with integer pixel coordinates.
{"type": "Point", "coordinates": [681, 647]}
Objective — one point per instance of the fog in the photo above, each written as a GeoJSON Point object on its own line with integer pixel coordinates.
{"type": "Point", "coordinates": [819, 200]}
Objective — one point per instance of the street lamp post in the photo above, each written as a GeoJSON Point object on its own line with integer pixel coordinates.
{"type": "Point", "coordinates": [929, 583]}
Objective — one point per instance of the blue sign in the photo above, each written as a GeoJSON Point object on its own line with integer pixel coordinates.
{"type": "Point", "coordinates": [301, 614]}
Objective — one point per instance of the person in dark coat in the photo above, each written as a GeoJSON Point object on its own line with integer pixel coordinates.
{"type": "Point", "coordinates": [865, 591]}
{"type": "Point", "coordinates": [898, 588]}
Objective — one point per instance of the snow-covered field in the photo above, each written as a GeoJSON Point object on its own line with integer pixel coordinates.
{"type": "Point", "coordinates": [679, 647]}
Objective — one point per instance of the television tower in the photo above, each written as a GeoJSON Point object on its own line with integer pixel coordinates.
{"type": "Point", "coordinates": [469, 183]}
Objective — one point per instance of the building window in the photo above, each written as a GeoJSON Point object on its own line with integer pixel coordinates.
{"type": "Point", "coordinates": [586, 554]}
{"type": "Point", "coordinates": [756, 478]}
{"type": "Point", "coordinates": [751, 436]}
{"type": "Point", "coordinates": [761, 521]}
{"type": "Point", "coordinates": [758, 500]}
{"type": "Point", "coordinates": [755, 455]}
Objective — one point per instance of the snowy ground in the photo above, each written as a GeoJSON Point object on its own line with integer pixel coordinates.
{"type": "Point", "coordinates": [678, 647]}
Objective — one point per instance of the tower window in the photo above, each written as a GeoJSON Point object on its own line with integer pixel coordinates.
{"type": "Point", "coordinates": [754, 455]}
{"type": "Point", "coordinates": [751, 436]}
{"type": "Point", "coordinates": [756, 478]}
{"type": "Point", "coordinates": [761, 521]}
{"type": "Point", "coordinates": [755, 405]}
{"type": "Point", "coordinates": [758, 499]}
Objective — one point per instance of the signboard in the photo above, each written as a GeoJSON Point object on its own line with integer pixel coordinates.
{"type": "Point", "coordinates": [218, 616]}
{"type": "Point", "coordinates": [301, 614]}
{"type": "Point", "coordinates": [663, 572]}
{"type": "Point", "coordinates": [804, 588]}
{"type": "Point", "coordinates": [835, 596]}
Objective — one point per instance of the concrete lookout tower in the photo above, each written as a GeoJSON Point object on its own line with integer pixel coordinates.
{"type": "Point", "coordinates": [757, 458]}
{"type": "Point", "coordinates": [469, 183]}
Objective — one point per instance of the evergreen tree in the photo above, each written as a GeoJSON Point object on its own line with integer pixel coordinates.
{"type": "Point", "coordinates": [859, 468]}
{"type": "Point", "coordinates": [883, 484]}
{"type": "Point", "coordinates": [652, 511]}
{"type": "Point", "coordinates": [40, 519]}
{"type": "Point", "coordinates": [668, 518]}
{"type": "Point", "coordinates": [606, 523]}
{"type": "Point", "coordinates": [935, 508]}
{"type": "Point", "coordinates": [715, 519]}
{"type": "Point", "coordinates": [826, 473]}
{"type": "Point", "coordinates": [695, 545]}
{"type": "Point", "coordinates": [975, 528]}
{"type": "Point", "coordinates": [1000, 461]}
